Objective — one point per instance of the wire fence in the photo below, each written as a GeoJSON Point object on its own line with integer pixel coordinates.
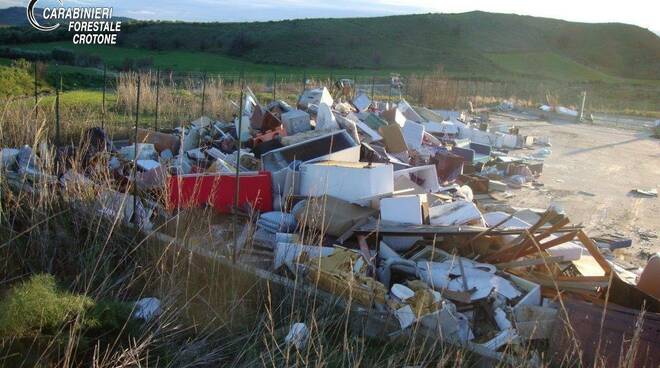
{"type": "Point", "coordinates": [172, 98]}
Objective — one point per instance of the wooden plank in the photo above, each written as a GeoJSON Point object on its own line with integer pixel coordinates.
{"type": "Point", "coordinates": [527, 244]}
{"type": "Point", "coordinates": [583, 278]}
{"type": "Point", "coordinates": [551, 243]}
{"type": "Point", "coordinates": [568, 285]}
{"type": "Point", "coordinates": [345, 236]}
{"type": "Point", "coordinates": [593, 250]}
{"type": "Point", "coordinates": [587, 266]}
{"type": "Point", "coordinates": [386, 228]}
{"type": "Point", "coordinates": [563, 222]}
{"type": "Point", "coordinates": [530, 262]}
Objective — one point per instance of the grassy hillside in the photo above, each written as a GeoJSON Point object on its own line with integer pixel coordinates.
{"type": "Point", "coordinates": [457, 42]}
{"type": "Point", "coordinates": [15, 16]}
{"type": "Point", "coordinates": [210, 62]}
{"type": "Point", "coordinates": [547, 64]}
{"type": "Point", "coordinates": [474, 45]}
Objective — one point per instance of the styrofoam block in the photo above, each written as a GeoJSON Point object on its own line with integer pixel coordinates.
{"type": "Point", "coordinates": [350, 181]}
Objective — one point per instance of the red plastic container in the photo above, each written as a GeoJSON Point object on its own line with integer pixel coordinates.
{"type": "Point", "coordinates": [217, 190]}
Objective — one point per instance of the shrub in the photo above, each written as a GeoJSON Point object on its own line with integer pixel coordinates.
{"type": "Point", "coordinates": [39, 305]}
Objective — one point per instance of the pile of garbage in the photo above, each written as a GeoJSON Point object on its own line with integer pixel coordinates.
{"type": "Point", "coordinates": [400, 208]}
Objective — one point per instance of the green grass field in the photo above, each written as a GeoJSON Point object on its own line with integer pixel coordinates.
{"type": "Point", "coordinates": [190, 61]}
{"type": "Point", "coordinates": [544, 65]}
{"type": "Point", "coordinates": [549, 65]}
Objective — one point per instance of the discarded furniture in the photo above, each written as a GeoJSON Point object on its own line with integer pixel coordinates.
{"type": "Point", "coordinates": [218, 190]}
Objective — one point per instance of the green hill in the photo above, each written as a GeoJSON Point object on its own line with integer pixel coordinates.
{"type": "Point", "coordinates": [473, 44]}
{"type": "Point", "coordinates": [457, 42]}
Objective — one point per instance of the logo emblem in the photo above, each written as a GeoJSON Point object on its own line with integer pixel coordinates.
{"type": "Point", "coordinates": [33, 20]}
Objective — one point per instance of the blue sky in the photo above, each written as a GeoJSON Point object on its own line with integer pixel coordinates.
{"type": "Point", "coordinates": [644, 13]}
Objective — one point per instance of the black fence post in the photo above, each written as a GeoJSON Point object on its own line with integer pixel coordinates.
{"type": "Point", "coordinates": [274, 85]}
{"type": "Point", "coordinates": [389, 91]}
{"type": "Point", "coordinates": [58, 140]}
{"type": "Point", "coordinates": [203, 92]}
{"type": "Point", "coordinates": [135, 149]}
{"type": "Point", "coordinates": [157, 98]}
{"type": "Point", "coordinates": [373, 83]}
{"type": "Point", "coordinates": [238, 169]}
{"type": "Point", "coordinates": [36, 99]}
{"type": "Point", "coordinates": [105, 71]}
{"type": "Point", "coordinates": [421, 91]}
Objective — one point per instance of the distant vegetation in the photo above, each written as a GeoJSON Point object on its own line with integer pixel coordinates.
{"type": "Point", "coordinates": [472, 45]}
{"type": "Point", "coordinates": [15, 81]}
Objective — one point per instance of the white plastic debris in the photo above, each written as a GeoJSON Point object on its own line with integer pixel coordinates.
{"type": "Point", "coordinates": [298, 336]}
{"type": "Point", "coordinates": [566, 111]}
{"type": "Point", "coordinates": [147, 308]}
{"type": "Point", "coordinates": [9, 156]}
{"type": "Point", "coordinates": [146, 151]}
{"type": "Point", "coordinates": [503, 323]}
{"type": "Point", "coordinates": [406, 316]}
{"type": "Point", "coordinates": [402, 292]}
{"type": "Point", "coordinates": [325, 119]}
{"type": "Point", "coordinates": [542, 153]}
{"type": "Point", "coordinates": [455, 213]}
{"type": "Point", "coordinates": [147, 165]}
{"type": "Point", "coordinates": [413, 134]}
{"type": "Point", "coordinates": [362, 102]}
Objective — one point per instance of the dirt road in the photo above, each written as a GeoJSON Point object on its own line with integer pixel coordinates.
{"type": "Point", "coordinates": [590, 174]}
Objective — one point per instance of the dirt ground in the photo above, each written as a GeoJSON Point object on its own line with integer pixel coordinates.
{"type": "Point", "coordinates": [590, 174]}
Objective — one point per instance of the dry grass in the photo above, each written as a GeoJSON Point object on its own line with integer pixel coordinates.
{"type": "Point", "coordinates": [214, 314]}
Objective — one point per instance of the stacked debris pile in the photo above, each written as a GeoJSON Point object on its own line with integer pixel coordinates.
{"type": "Point", "coordinates": [398, 208]}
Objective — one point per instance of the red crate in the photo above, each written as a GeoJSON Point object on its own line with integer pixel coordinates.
{"type": "Point", "coordinates": [217, 190]}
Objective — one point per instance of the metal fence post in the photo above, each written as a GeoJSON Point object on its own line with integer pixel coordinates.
{"type": "Point", "coordinates": [57, 114]}
{"type": "Point", "coordinates": [274, 85]}
{"type": "Point", "coordinates": [203, 92]}
{"type": "Point", "coordinates": [373, 82]}
{"type": "Point", "coordinates": [135, 149]}
{"type": "Point", "coordinates": [238, 169]}
{"type": "Point", "coordinates": [157, 98]}
{"type": "Point", "coordinates": [421, 91]}
{"type": "Point", "coordinates": [105, 70]}
{"type": "Point", "coordinates": [389, 92]}
{"type": "Point", "coordinates": [36, 99]}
